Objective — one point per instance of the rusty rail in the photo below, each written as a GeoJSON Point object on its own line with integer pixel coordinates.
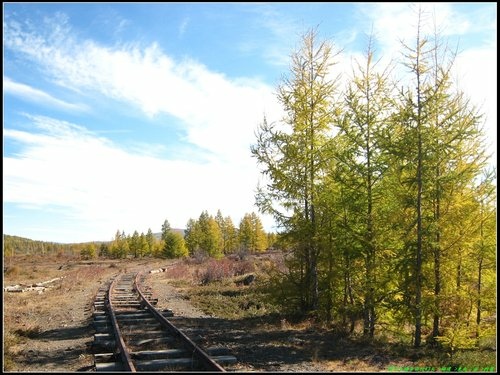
{"type": "Point", "coordinates": [124, 354]}
{"type": "Point", "coordinates": [125, 297]}
{"type": "Point", "coordinates": [203, 357]}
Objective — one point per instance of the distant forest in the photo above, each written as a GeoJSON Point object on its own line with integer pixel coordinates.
{"type": "Point", "coordinates": [206, 236]}
{"type": "Point", "coordinates": [15, 245]}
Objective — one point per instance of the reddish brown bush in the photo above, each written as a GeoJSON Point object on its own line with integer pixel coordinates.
{"type": "Point", "coordinates": [243, 267]}
{"type": "Point", "coordinates": [178, 271]}
{"type": "Point", "coordinates": [216, 270]}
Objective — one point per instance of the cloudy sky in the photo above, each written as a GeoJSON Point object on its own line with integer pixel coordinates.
{"type": "Point", "coordinates": [119, 116]}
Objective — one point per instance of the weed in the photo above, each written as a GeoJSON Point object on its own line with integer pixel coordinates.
{"type": "Point", "coordinates": [30, 332]}
{"type": "Point", "coordinates": [178, 271]}
{"type": "Point", "coordinates": [227, 301]}
{"type": "Point", "coordinates": [243, 267]}
{"type": "Point", "coordinates": [179, 283]}
{"type": "Point", "coordinates": [471, 359]}
{"type": "Point", "coordinates": [10, 340]}
{"type": "Point", "coordinates": [315, 355]}
{"type": "Point", "coordinates": [200, 256]}
{"type": "Point", "coordinates": [285, 325]}
{"type": "Point", "coordinates": [12, 271]}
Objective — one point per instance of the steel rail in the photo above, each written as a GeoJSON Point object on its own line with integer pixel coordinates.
{"type": "Point", "coordinates": [124, 354]}
{"type": "Point", "coordinates": [203, 357]}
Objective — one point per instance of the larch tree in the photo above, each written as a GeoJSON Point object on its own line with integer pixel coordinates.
{"type": "Point", "coordinates": [364, 124]}
{"type": "Point", "coordinates": [205, 235]}
{"type": "Point", "coordinates": [245, 234]}
{"type": "Point", "coordinates": [260, 237]}
{"type": "Point", "coordinates": [143, 246]}
{"type": "Point", "coordinates": [150, 239]}
{"type": "Point", "coordinates": [228, 231]}
{"type": "Point", "coordinates": [442, 139]}
{"type": "Point", "coordinates": [230, 236]}
{"type": "Point", "coordinates": [414, 118]}
{"type": "Point", "coordinates": [134, 245]}
{"type": "Point", "coordinates": [485, 256]}
{"type": "Point", "coordinates": [291, 155]}
{"type": "Point", "coordinates": [192, 236]}
{"type": "Point", "coordinates": [252, 236]}
{"type": "Point", "coordinates": [219, 219]}
{"type": "Point", "coordinates": [379, 198]}
{"type": "Point", "coordinates": [175, 246]}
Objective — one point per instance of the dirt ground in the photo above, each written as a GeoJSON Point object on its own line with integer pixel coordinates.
{"type": "Point", "coordinates": [52, 331]}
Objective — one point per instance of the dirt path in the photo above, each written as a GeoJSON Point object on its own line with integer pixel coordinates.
{"type": "Point", "coordinates": [169, 298]}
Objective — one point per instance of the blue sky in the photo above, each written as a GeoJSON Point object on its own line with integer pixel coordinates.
{"type": "Point", "coordinates": [122, 115]}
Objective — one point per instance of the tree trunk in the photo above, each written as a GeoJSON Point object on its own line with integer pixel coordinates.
{"type": "Point", "coordinates": [437, 261]}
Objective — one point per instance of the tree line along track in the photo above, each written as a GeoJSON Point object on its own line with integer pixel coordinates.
{"type": "Point", "coordinates": [132, 335]}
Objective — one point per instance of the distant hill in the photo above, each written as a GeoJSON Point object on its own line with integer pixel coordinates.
{"type": "Point", "coordinates": [177, 230]}
{"type": "Point", "coordinates": [22, 245]}
{"type": "Point", "coordinates": [16, 245]}
{"type": "Point", "coordinates": [17, 239]}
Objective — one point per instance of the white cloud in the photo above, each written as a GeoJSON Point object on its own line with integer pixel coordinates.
{"type": "Point", "coordinates": [219, 114]}
{"type": "Point", "coordinates": [476, 75]}
{"type": "Point", "coordinates": [396, 22]}
{"type": "Point", "coordinates": [475, 68]}
{"type": "Point", "coordinates": [281, 33]}
{"type": "Point", "coordinates": [102, 184]}
{"type": "Point", "coordinates": [103, 187]}
{"type": "Point", "coordinates": [38, 96]}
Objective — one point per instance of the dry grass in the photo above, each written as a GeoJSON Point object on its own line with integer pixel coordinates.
{"type": "Point", "coordinates": [10, 347]}
{"type": "Point", "coordinates": [29, 317]}
{"type": "Point", "coordinates": [301, 325]}
{"type": "Point", "coordinates": [31, 331]}
{"type": "Point", "coordinates": [81, 276]}
{"type": "Point", "coordinates": [179, 271]}
{"type": "Point", "coordinates": [12, 271]}
{"type": "Point", "coordinates": [349, 365]}
{"type": "Point", "coordinates": [29, 307]}
{"type": "Point", "coordinates": [216, 287]}
{"type": "Point", "coordinates": [29, 270]}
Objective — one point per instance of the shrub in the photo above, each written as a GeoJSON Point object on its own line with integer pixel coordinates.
{"type": "Point", "coordinates": [242, 253]}
{"type": "Point", "coordinates": [178, 271]}
{"type": "Point", "coordinates": [243, 267]}
{"type": "Point", "coordinates": [89, 252]}
{"type": "Point", "coordinates": [216, 270]}
{"type": "Point", "coordinates": [457, 336]}
{"type": "Point", "coordinates": [200, 256]}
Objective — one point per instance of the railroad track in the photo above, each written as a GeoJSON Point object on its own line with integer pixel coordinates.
{"type": "Point", "coordinates": [132, 335]}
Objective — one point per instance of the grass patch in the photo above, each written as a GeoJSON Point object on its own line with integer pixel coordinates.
{"type": "Point", "coordinates": [473, 360]}
{"type": "Point", "coordinates": [470, 360]}
{"type": "Point", "coordinates": [227, 301]}
{"type": "Point", "coordinates": [10, 340]}
{"type": "Point", "coordinates": [179, 283]}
